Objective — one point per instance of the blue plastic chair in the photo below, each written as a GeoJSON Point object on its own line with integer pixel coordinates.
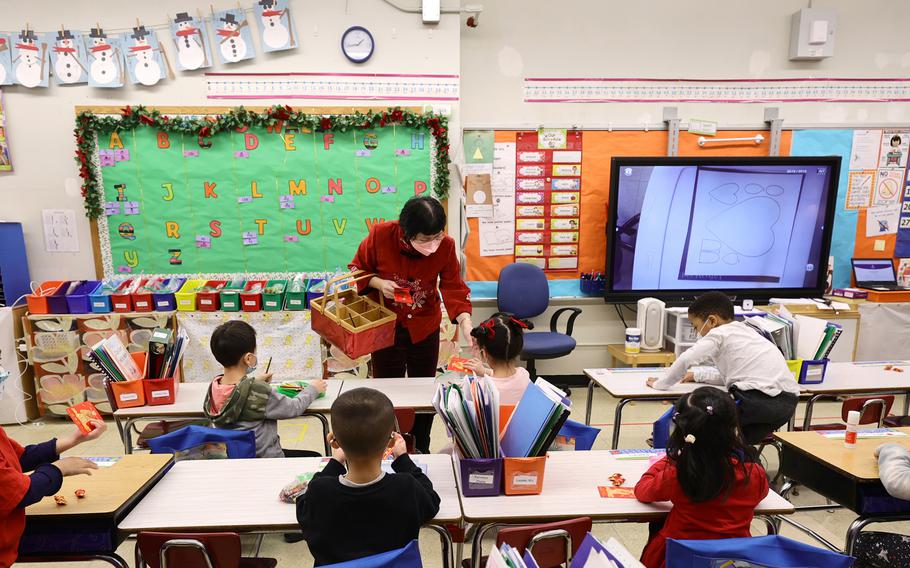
{"type": "Point", "coordinates": [523, 290]}
{"type": "Point", "coordinates": [407, 557]}
{"type": "Point", "coordinates": [772, 551]}
{"type": "Point", "coordinates": [660, 434]}
{"type": "Point", "coordinates": [580, 436]}
{"type": "Point", "coordinates": [195, 442]}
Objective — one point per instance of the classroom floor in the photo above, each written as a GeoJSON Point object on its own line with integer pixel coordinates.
{"type": "Point", "coordinates": [637, 418]}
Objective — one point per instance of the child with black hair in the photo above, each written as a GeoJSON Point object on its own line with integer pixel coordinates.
{"type": "Point", "coordinates": [500, 340]}
{"type": "Point", "coordinates": [710, 474]}
{"type": "Point", "coordinates": [748, 365]}
{"type": "Point", "coordinates": [239, 400]}
{"type": "Point", "coordinates": [352, 508]}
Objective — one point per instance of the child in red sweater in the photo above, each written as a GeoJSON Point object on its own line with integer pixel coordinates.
{"type": "Point", "coordinates": [17, 490]}
{"type": "Point", "coordinates": [710, 475]}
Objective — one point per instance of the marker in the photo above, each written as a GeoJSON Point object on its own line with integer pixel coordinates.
{"type": "Point", "coordinates": [268, 364]}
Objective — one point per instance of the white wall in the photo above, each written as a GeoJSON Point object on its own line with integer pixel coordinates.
{"type": "Point", "coordinates": [40, 121]}
{"type": "Point", "coordinates": [663, 38]}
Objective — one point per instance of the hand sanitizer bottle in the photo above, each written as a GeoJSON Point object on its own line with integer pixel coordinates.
{"type": "Point", "coordinates": [852, 425]}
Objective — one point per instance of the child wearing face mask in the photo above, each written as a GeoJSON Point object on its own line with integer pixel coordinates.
{"type": "Point", "coordinates": [239, 400]}
{"type": "Point", "coordinates": [748, 365]}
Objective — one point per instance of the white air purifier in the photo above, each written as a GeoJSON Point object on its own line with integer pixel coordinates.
{"type": "Point", "coordinates": [652, 320]}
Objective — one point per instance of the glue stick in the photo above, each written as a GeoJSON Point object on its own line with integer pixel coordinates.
{"type": "Point", "coordinates": [852, 424]}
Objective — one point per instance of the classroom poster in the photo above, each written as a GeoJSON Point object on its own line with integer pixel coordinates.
{"type": "Point", "coordinates": [866, 145]}
{"type": "Point", "coordinates": [276, 27]}
{"type": "Point", "coordinates": [144, 56]}
{"type": "Point", "coordinates": [105, 60]}
{"type": "Point", "coordinates": [30, 60]}
{"type": "Point", "coordinates": [233, 41]}
{"type": "Point", "coordinates": [888, 186]}
{"type": "Point", "coordinates": [882, 220]}
{"type": "Point", "coordinates": [894, 147]}
{"type": "Point", "coordinates": [902, 243]}
{"type": "Point", "coordinates": [68, 57]}
{"type": "Point", "coordinates": [6, 162]}
{"type": "Point", "coordinates": [6, 60]}
{"type": "Point", "coordinates": [255, 201]}
{"type": "Point", "coordinates": [191, 41]}
{"type": "Point", "coordinates": [478, 147]}
{"type": "Point", "coordinates": [497, 234]}
{"type": "Point", "coordinates": [859, 189]}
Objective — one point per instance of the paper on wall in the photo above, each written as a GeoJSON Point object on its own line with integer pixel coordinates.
{"type": "Point", "coordinates": [864, 155]}
{"type": "Point", "coordinates": [497, 235]}
{"type": "Point", "coordinates": [859, 189]}
{"type": "Point", "coordinates": [882, 220]}
{"type": "Point", "coordinates": [894, 147]}
{"type": "Point", "coordinates": [888, 184]}
{"type": "Point", "coordinates": [60, 230]}
{"type": "Point", "coordinates": [479, 195]}
{"type": "Point", "coordinates": [903, 272]}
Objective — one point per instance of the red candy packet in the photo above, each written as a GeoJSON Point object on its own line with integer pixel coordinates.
{"type": "Point", "coordinates": [82, 414]}
{"type": "Point", "coordinates": [458, 364]}
{"type": "Point", "coordinates": [617, 492]}
{"type": "Point", "coordinates": [403, 296]}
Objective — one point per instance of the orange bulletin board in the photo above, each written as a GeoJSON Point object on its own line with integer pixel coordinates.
{"type": "Point", "coordinates": [598, 147]}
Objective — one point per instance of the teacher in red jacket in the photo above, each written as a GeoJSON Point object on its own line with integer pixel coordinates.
{"type": "Point", "coordinates": [415, 254]}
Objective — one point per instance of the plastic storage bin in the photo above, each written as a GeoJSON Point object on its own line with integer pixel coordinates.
{"type": "Point", "coordinates": [122, 302]}
{"type": "Point", "coordinates": [480, 477]}
{"type": "Point", "coordinates": [523, 476]}
{"type": "Point", "coordinates": [100, 299]}
{"type": "Point", "coordinates": [207, 299]}
{"type": "Point", "coordinates": [142, 300]}
{"type": "Point", "coordinates": [313, 294]}
{"type": "Point", "coordinates": [273, 297]}
{"type": "Point", "coordinates": [79, 301]}
{"type": "Point", "coordinates": [808, 371]}
{"type": "Point", "coordinates": [160, 391]}
{"type": "Point", "coordinates": [230, 296]}
{"type": "Point", "coordinates": [56, 301]}
{"type": "Point", "coordinates": [251, 297]}
{"type": "Point", "coordinates": [186, 296]}
{"type": "Point", "coordinates": [167, 301]}
{"type": "Point", "coordinates": [37, 302]}
{"type": "Point", "coordinates": [295, 299]}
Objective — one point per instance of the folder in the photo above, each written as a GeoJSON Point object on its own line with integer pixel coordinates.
{"type": "Point", "coordinates": [538, 413]}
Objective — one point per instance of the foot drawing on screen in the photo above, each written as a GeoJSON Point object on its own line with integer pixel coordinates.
{"type": "Point", "coordinates": [760, 213]}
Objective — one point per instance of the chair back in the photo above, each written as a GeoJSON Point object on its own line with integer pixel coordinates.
{"type": "Point", "coordinates": [200, 442]}
{"type": "Point", "coordinates": [522, 290]}
{"type": "Point", "coordinates": [188, 550]}
{"type": "Point", "coordinates": [552, 544]}
{"type": "Point", "coordinates": [405, 417]}
{"type": "Point", "coordinates": [872, 409]}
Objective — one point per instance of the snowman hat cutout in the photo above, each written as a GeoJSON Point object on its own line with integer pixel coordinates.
{"type": "Point", "coordinates": [139, 33]}
{"type": "Point", "coordinates": [229, 18]}
{"type": "Point", "coordinates": [268, 8]}
{"type": "Point", "coordinates": [28, 36]}
{"type": "Point", "coordinates": [97, 33]}
{"type": "Point", "coordinates": [182, 17]}
{"type": "Point", "coordinates": [64, 35]}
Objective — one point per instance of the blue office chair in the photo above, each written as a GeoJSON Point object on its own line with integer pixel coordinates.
{"type": "Point", "coordinates": [523, 290]}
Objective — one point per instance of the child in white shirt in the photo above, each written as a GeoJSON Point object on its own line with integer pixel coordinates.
{"type": "Point", "coordinates": [500, 340]}
{"type": "Point", "coordinates": [748, 365]}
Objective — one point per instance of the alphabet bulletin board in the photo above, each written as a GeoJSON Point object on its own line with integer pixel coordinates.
{"type": "Point", "coordinates": [263, 198]}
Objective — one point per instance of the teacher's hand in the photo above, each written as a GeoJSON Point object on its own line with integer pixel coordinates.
{"type": "Point", "coordinates": [465, 326]}
{"type": "Point", "coordinates": [385, 287]}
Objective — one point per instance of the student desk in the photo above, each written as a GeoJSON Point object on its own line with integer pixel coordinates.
{"type": "Point", "coordinates": [188, 405]}
{"type": "Point", "coordinates": [856, 379]}
{"type": "Point", "coordinates": [847, 476]}
{"type": "Point", "coordinates": [570, 490]}
{"type": "Point", "coordinates": [416, 393]}
{"type": "Point", "coordinates": [86, 529]}
{"type": "Point", "coordinates": [198, 496]}
{"type": "Point", "coordinates": [628, 385]}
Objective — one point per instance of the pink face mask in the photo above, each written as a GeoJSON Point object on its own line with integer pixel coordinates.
{"type": "Point", "coordinates": [427, 248]}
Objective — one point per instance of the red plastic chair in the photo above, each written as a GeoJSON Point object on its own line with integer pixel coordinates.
{"type": "Point", "coordinates": [196, 550]}
{"type": "Point", "coordinates": [552, 544]}
{"type": "Point", "coordinates": [151, 429]}
{"type": "Point", "coordinates": [872, 409]}
{"type": "Point", "coordinates": [405, 417]}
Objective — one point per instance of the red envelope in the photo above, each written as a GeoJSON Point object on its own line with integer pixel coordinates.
{"type": "Point", "coordinates": [458, 364]}
{"type": "Point", "coordinates": [617, 492]}
{"type": "Point", "coordinates": [403, 296]}
{"type": "Point", "coordinates": [82, 414]}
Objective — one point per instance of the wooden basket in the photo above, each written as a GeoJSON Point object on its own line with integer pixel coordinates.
{"type": "Point", "coordinates": [356, 324]}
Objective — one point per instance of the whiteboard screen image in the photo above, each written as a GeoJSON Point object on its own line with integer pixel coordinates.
{"type": "Point", "coordinates": [719, 226]}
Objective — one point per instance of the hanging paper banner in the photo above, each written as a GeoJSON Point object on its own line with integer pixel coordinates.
{"type": "Point", "coordinates": [276, 28]}
{"type": "Point", "coordinates": [105, 59]}
{"type": "Point", "coordinates": [233, 40]}
{"type": "Point", "coordinates": [68, 57]}
{"type": "Point", "coordinates": [143, 56]}
{"type": "Point", "coordinates": [193, 51]}
{"type": "Point", "coordinates": [6, 60]}
{"type": "Point", "coordinates": [30, 60]}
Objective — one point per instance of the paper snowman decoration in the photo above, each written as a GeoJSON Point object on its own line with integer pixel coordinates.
{"type": "Point", "coordinates": [68, 57]}
{"type": "Point", "coordinates": [105, 60]}
{"type": "Point", "coordinates": [192, 45]}
{"type": "Point", "coordinates": [275, 26]}
{"type": "Point", "coordinates": [234, 40]}
{"type": "Point", "coordinates": [6, 60]}
{"type": "Point", "coordinates": [143, 57]}
{"type": "Point", "coordinates": [30, 60]}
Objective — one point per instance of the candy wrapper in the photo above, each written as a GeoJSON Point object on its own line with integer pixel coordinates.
{"type": "Point", "coordinates": [290, 492]}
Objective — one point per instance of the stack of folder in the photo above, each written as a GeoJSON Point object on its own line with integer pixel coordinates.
{"type": "Point", "coordinates": [470, 411]}
{"type": "Point", "coordinates": [798, 336]}
{"type": "Point", "coordinates": [165, 353]}
{"type": "Point", "coordinates": [114, 360]}
{"type": "Point", "coordinates": [536, 421]}
{"type": "Point", "coordinates": [592, 553]}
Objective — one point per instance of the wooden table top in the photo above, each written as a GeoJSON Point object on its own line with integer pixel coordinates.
{"type": "Point", "coordinates": [570, 490]}
{"type": "Point", "coordinates": [859, 462]}
{"type": "Point", "coordinates": [203, 495]}
{"type": "Point", "coordinates": [107, 490]}
{"type": "Point", "coordinates": [416, 393]}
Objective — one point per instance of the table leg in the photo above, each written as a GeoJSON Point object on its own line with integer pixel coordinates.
{"type": "Point", "coordinates": [448, 561]}
{"type": "Point", "coordinates": [127, 436]}
{"type": "Point", "coordinates": [769, 523]}
{"type": "Point", "coordinates": [325, 432]}
{"type": "Point", "coordinates": [137, 556]}
{"type": "Point", "coordinates": [807, 420]}
{"type": "Point", "coordinates": [617, 420]}
{"type": "Point", "coordinates": [590, 403]}
{"type": "Point", "coordinates": [810, 532]}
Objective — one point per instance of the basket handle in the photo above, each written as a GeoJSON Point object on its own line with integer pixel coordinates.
{"type": "Point", "coordinates": [350, 278]}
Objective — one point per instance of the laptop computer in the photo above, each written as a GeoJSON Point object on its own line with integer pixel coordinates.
{"type": "Point", "coordinates": [875, 274]}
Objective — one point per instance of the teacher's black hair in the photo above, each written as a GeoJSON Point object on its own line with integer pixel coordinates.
{"type": "Point", "coordinates": [422, 215]}
{"type": "Point", "coordinates": [706, 462]}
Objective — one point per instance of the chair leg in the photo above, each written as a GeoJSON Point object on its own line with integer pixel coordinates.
{"type": "Point", "coordinates": [532, 370]}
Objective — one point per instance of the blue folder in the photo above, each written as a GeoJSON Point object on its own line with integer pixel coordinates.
{"type": "Point", "coordinates": [530, 417]}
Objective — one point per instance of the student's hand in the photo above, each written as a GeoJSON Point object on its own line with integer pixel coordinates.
{"type": "Point", "coordinates": [386, 287]}
{"type": "Point", "coordinates": [689, 377]}
{"type": "Point", "coordinates": [338, 455]}
{"type": "Point", "coordinates": [475, 365]}
{"type": "Point", "coordinates": [75, 466]}
{"type": "Point", "coordinates": [651, 380]}
{"type": "Point", "coordinates": [265, 378]}
{"type": "Point", "coordinates": [98, 429]}
{"type": "Point", "coordinates": [399, 448]}
{"type": "Point", "coordinates": [77, 437]}
{"type": "Point", "coordinates": [464, 327]}
{"type": "Point", "coordinates": [319, 384]}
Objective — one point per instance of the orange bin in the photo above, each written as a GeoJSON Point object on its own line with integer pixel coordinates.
{"type": "Point", "coordinates": [128, 394]}
{"type": "Point", "coordinates": [523, 476]}
{"type": "Point", "coordinates": [37, 302]}
{"type": "Point", "coordinates": [160, 391]}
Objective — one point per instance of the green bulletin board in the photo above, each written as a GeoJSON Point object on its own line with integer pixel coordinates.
{"type": "Point", "coordinates": [255, 201]}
